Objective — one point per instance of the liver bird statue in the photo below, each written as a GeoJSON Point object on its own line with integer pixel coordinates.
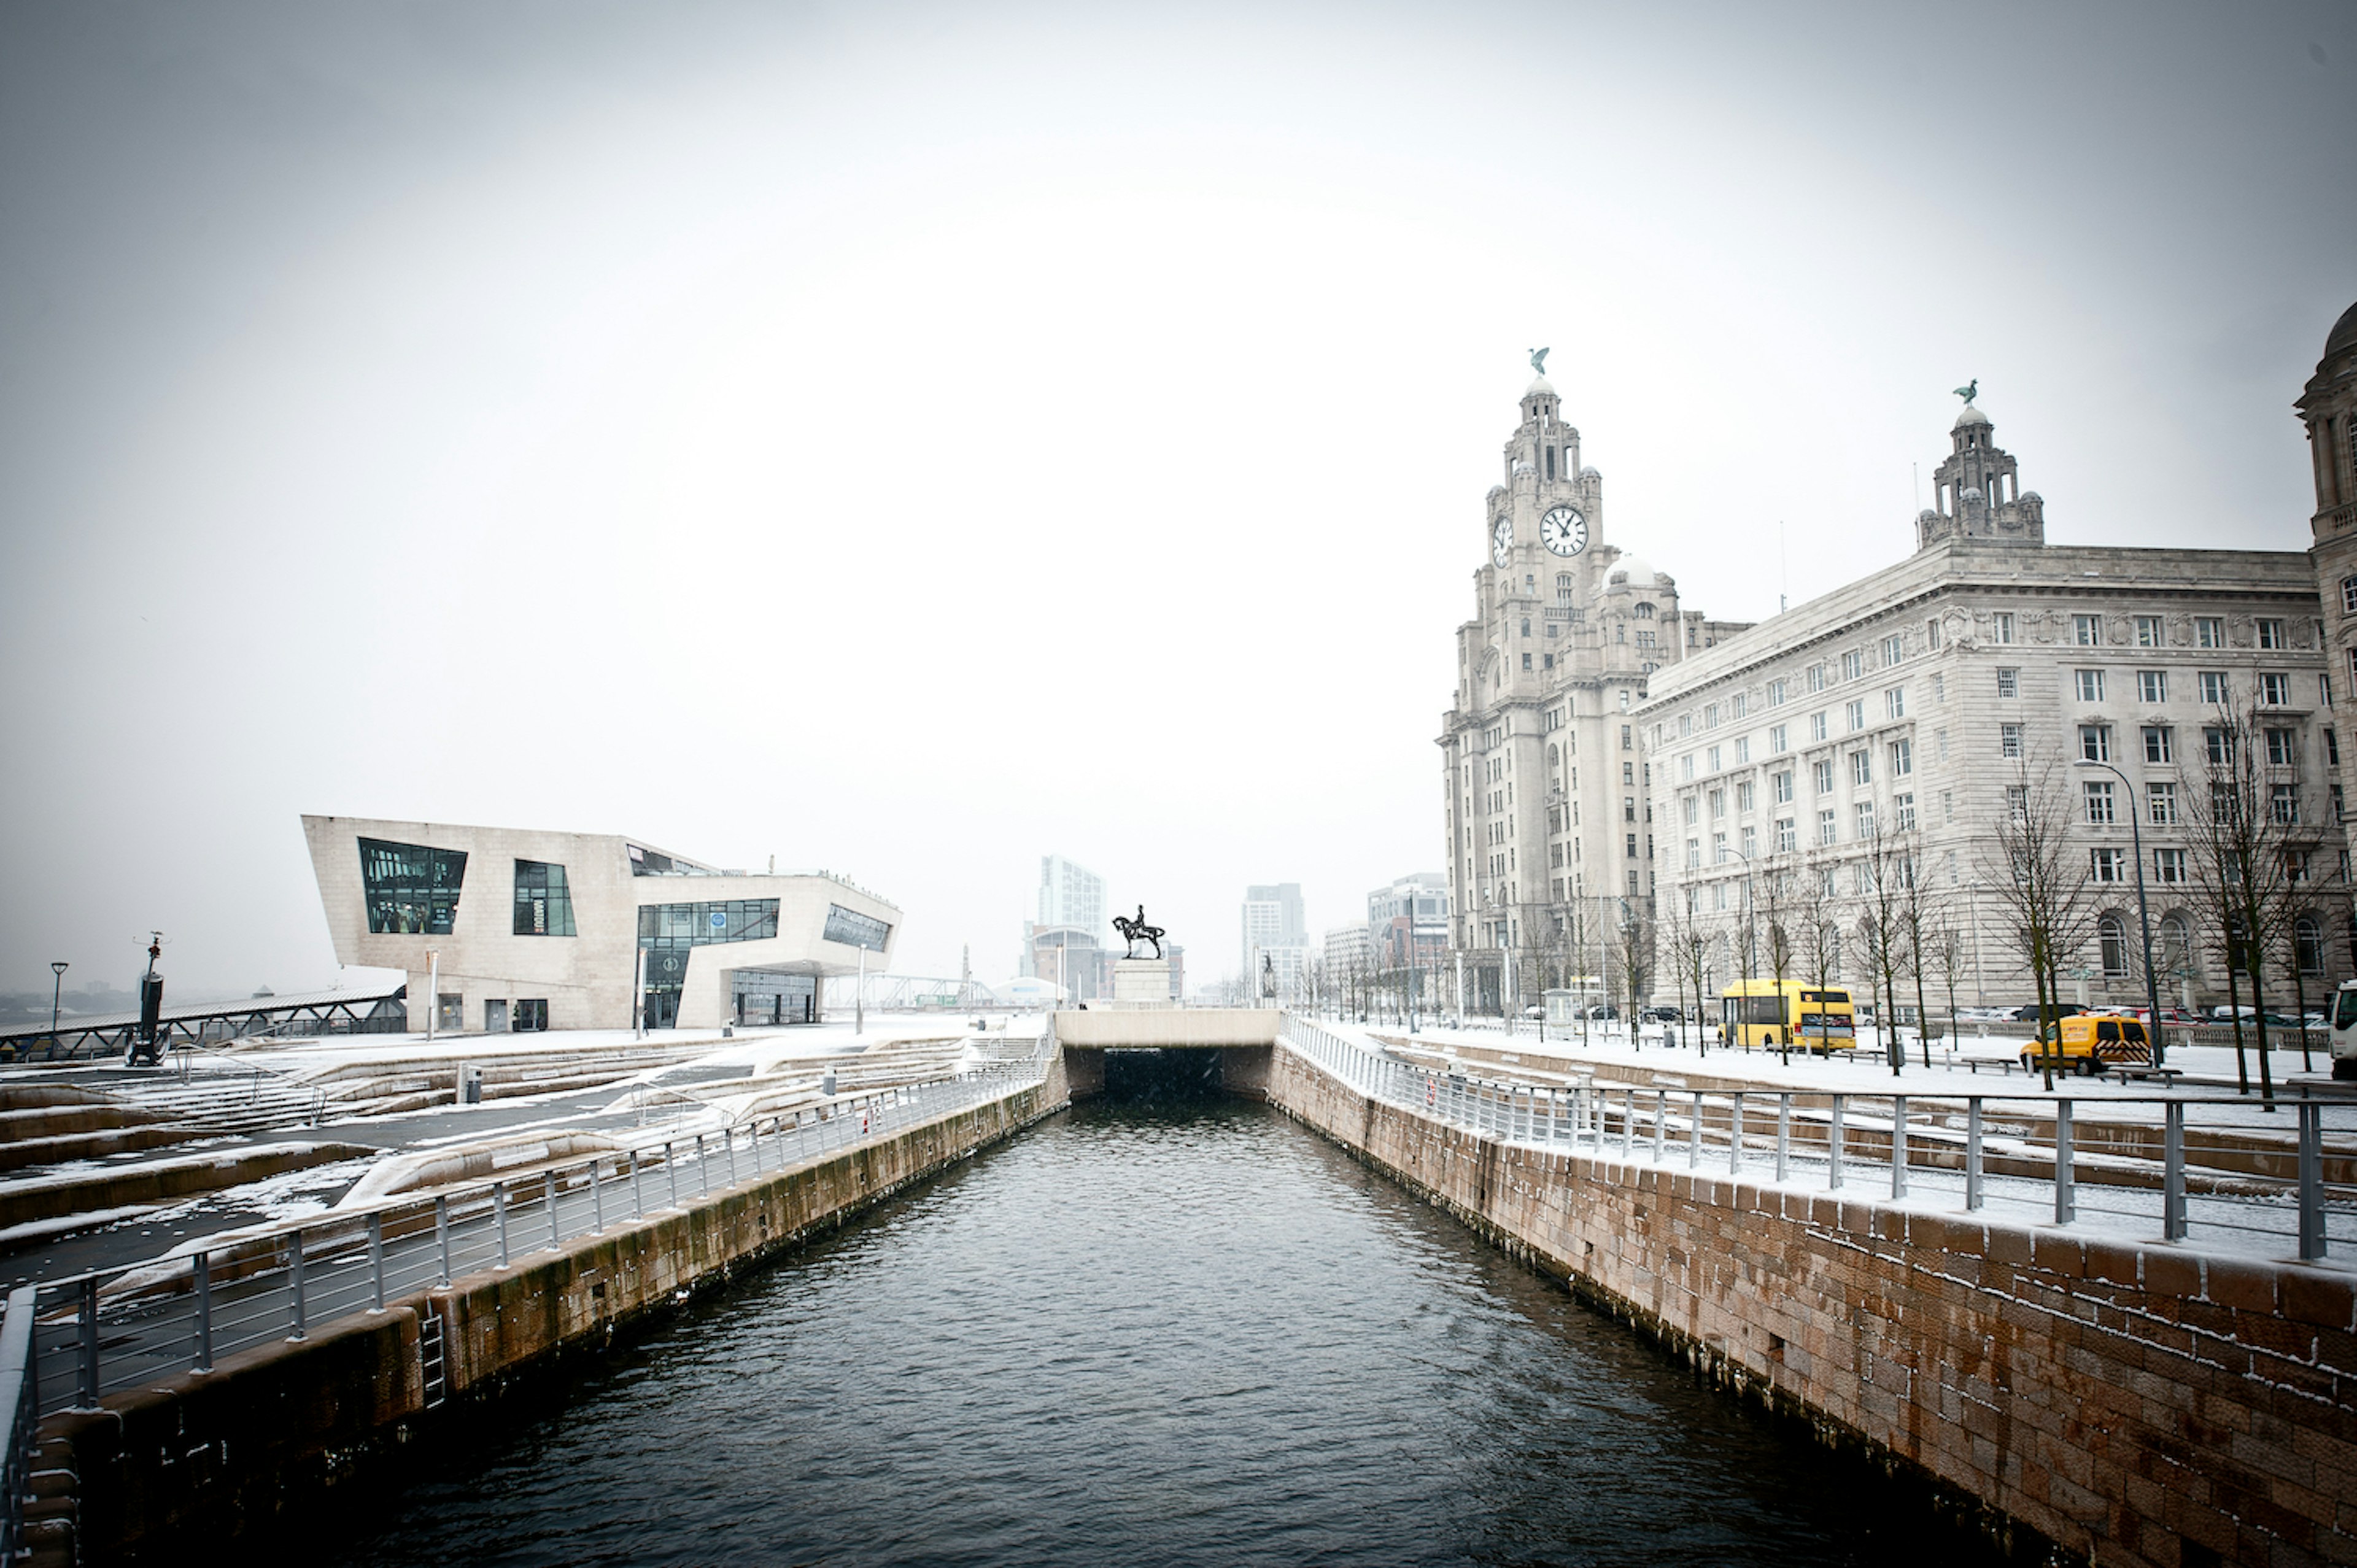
{"type": "Point", "coordinates": [1538, 359]}
{"type": "Point", "coordinates": [1970, 391]}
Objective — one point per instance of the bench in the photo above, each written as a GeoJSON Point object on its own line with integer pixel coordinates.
{"type": "Point", "coordinates": [2132, 1072]}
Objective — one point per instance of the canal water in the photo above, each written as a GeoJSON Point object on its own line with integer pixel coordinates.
{"type": "Point", "coordinates": [1141, 1333]}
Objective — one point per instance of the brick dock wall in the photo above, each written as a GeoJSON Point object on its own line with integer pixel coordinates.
{"type": "Point", "coordinates": [173, 1470]}
{"type": "Point", "coordinates": [2130, 1405]}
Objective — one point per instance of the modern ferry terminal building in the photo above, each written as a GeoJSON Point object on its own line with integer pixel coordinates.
{"type": "Point", "coordinates": [515, 929]}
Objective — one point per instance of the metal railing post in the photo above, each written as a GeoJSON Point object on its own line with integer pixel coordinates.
{"type": "Point", "coordinates": [294, 1265]}
{"type": "Point", "coordinates": [442, 1233]}
{"type": "Point", "coordinates": [88, 1390]}
{"type": "Point", "coordinates": [500, 1215]}
{"type": "Point", "coordinates": [1973, 1153]}
{"type": "Point", "coordinates": [201, 1266]}
{"type": "Point", "coordinates": [1898, 1145]}
{"type": "Point", "coordinates": [670, 1169]}
{"type": "Point", "coordinates": [1735, 1137]}
{"type": "Point", "coordinates": [1661, 1123]}
{"type": "Point", "coordinates": [1693, 1134]}
{"type": "Point", "coordinates": [2066, 1198]}
{"type": "Point", "coordinates": [1629, 1128]}
{"type": "Point", "coordinates": [596, 1202]}
{"type": "Point", "coordinates": [728, 1142]}
{"type": "Point", "coordinates": [638, 1189]}
{"type": "Point", "coordinates": [2312, 1181]}
{"type": "Point", "coordinates": [1834, 1144]}
{"type": "Point", "coordinates": [1783, 1133]}
{"type": "Point", "coordinates": [376, 1260]}
{"type": "Point", "coordinates": [2173, 1171]}
{"type": "Point", "coordinates": [548, 1191]}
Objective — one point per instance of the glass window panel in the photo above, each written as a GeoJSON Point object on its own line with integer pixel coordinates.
{"type": "Point", "coordinates": [409, 888]}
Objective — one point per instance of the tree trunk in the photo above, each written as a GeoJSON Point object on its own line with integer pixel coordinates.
{"type": "Point", "coordinates": [2234, 1012]}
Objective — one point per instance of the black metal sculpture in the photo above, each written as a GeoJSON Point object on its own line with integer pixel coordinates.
{"type": "Point", "coordinates": [1135, 932]}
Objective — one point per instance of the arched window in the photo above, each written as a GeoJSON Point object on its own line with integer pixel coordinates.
{"type": "Point", "coordinates": [2112, 932]}
{"type": "Point", "coordinates": [2308, 944]}
{"type": "Point", "coordinates": [1551, 757]}
{"type": "Point", "coordinates": [2176, 946]}
{"type": "Point", "coordinates": [1645, 611]}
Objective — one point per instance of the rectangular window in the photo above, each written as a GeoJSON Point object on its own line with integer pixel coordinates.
{"type": "Point", "coordinates": [2274, 690]}
{"type": "Point", "coordinates": [2008, 683]}
{"type": "Point", "coordinates": [1779, 787]}
{"type": "Point", "coordinates": [2332, 748]}
{"type": "Point", "coordinates": [1903, 813]}
{"type": "Point", "coordinates": [2214, 688]}
{"type": "Point", "coordinates": [2160, 804]}
{"type": "Point", "coordinates": [1776, 694]}
{"type": "Point", "coordinates": [1853, 665]}
{"type": "Point", "coordinates": [1902, 758]}
{"type": "Point", "coordinates": [1941, 737]}
{"type": "Point", "coordinates": [1776, 743]}
{"type": "Point", "coordinates": [2090, 685]}
{"type": "Point", "coordinates": [2169, 866]}
{"type": "Point", "coordinates": [667, 927]}
{"type": "Point", "coordinates": [1743, 748]}
{"type": "Point", "coordinates": [2099, 800]}
{"type": "Point", "coordinates": [2095, 743]}
{"type": "Point", "coordinates": [2208, 631]}
{"type": "Point", "coordinates": [1685, 768]}
{"type": "Point", "coordinates": [1931, 635]}
{"type": "Point", "coordinates": [1693, 810]}
{"type": "Point", "coordinates": [2159, 744]}
{"type": "Point", "coordinates": [1823, 772]}
{"type": "Point", "coordinates": [1939, 688]}
{"type": "Point", "coordinates": [850, 927]}
{"type": "Point", "coordinates": [1948, 814]}
{"type": "Point", "coordinates": [2152, 685]}
{"type": "Point", "coordinates": [2283, 803]}
{"type": "Point", "coordinates": [543, 902]}
{"type": "Point", "coordinates": [1744, 794]}
{"type": "Point", "coordinates": [1894, 703]}
{"type": "Point", "coordinates": [2283, 748]}
{"type": "Point", "coordinates": [1861, 767]}
{"type": "Point", "coordinates": [1718, 849]}
{"type": "Point", "coordinates": [1739, 705]}
{"type": "Point", "coordinates": [1750, 841]}
{"type": "Point", "coordinates": [2008, 740]}
{"type": "Point", "coordinates": [2017, 802]}
{"type": "Point", "coordinates": [1685, 725]}
{"type": "Point", "coordinates": [2271, 633]}
{"type": "Point", "coordinates": [2149, 633]}
{"type": "Point", "coordinates": [1827, 833]}
{"type": "Point", "coordinates": [2001, 627]}
{"type": "Point", "coordinates": [1788, 837]}
{"type": "Point", "coordinates": [410, 889]}
{"type": "Point", "coordinates": [1694, 853]}
{"type": "Point", "coordinates": [1717, 805]}
{"type": "Point", "coordinates": [2217, 747]}
{"type": "Point", "coordinates": [1713, 762]}
{"type": "Point", "coordinates": [1855, 713]}
{"type": "Point", "coordinates": [2339, 805]}
{"type": "Point", "coordinates": [1893, 650]}
{"type": "Point", "coordinates": [1816, 726]}
{"type": "Point", "coordinates": [2108, 864]}
{"type": "Point", "coordinates": [1816, 677]}
{"type": "Point", "coordinates": [2087, 631]}
{"type": "Point", "coordinates": [1710, 715]}
{"type": "Point", "coordinates": [1865, 810]}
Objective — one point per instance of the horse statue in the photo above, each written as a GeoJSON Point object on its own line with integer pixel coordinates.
{"type": "Point", "coordinates": [1135, 932]}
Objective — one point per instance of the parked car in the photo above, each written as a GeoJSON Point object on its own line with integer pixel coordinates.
{"type": "Point", "coordinates": [1534, 1010]}
{"type": "Point", "coordinates": [2087, 1043]}
{"type": "Point", "coordinates": [1662, 1014]}
{"type": "Point", "coordinates": [1606, 1013]}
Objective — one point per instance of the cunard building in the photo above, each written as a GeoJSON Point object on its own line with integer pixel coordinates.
{"type": "Point", "coordinates": [1551, 841]}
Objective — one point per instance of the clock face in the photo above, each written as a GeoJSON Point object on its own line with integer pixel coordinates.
{"type": "Point", "coordinates": [1563, 530]}
{"type": "Point", "coordinates": [1502, 540]}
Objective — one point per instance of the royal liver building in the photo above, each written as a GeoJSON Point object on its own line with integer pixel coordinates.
{"type": "Point", "coordinates": [1550, 838]}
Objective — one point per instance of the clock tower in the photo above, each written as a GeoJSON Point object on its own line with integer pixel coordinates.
{"type": "Point", "coordinates": [1550, 851]}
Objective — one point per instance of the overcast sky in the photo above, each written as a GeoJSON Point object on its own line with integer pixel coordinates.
{"type": "Point", "coordinates": [912, 439]}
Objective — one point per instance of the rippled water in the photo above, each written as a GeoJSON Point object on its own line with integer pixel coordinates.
{"type": "Point", "coordinates": [1184, 1334]}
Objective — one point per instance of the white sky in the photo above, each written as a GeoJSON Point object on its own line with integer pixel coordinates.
{"type": "Point", "coordinates": [910, 440]}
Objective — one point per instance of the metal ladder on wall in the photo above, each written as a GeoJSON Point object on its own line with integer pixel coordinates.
{"type": "Point", "coordinates": [430, 1359]}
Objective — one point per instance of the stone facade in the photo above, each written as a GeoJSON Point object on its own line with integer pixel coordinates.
{"type": "Point", "coordinates": [2328, 404]}
{"type": "Point", "coordinates": [1540, 751]}
{"type": "Point", "coordinates": [1893, 714]}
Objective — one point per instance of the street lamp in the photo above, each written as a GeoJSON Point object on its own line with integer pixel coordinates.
{"type": "Point", "coordinates": [57, 967]}
{"type": "Point", "coordinates": [2144, 915]}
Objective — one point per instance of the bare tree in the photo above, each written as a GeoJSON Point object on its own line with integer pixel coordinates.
{"type": "Point", "coordinates": [1634, 943]}
{"type": "Point", "coordinates": [1688, 948]}
{"type": "Point", "coordinates": [1775, 907]}
{"type": "Point", "coordinates": [1881, 929]}
{"type": "Point", "coordinates": [2039, 880]}
{"type": "Point", "coordinates": [1918, 920]}
{"type": "Point", "coordinates": [1818, 898]}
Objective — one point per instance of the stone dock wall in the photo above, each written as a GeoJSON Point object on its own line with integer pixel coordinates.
{"type": "Point", "coordinates": [2130, 1405]}
{"type": "Point", "coordinates": [172, 1471]}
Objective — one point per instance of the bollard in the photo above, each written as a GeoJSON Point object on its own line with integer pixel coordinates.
{"type": "Point", "coordinates": [1973, 1153]}
{"type": "Point", "coordinates": [2173, 1171]}
{"type": "Point", "coordinates": [2066, 1197]}
{"type": "Point", "coordinates": [442, 1234]}
{"type": "Point", "coordinates": [201, 1265]}
{"type": "Point", "coordinates": [1898, 1145]}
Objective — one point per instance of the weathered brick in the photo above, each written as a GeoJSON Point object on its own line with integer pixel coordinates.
{"type": "Point", "coordinates": [2245, 1286]}
{"type": "Point", "coordinates": [2313, 1295]}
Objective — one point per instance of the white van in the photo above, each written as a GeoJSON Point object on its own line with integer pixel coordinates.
{"type": "Point", "coordinates": [2344, 1030]}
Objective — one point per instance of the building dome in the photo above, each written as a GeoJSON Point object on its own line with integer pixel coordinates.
{"type": "Point", "coordinates": [1970, 416]}
{"type": "Point", "coordinates": [2344, 335]}
{"type": "Point", "coordinates": [1631, 572]}
{"type": "Point", "coordinates": [1539, 387]}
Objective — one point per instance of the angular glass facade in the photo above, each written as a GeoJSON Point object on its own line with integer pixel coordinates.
{"type": "Point", "coordinates": [669, 926]}
{"type": "Point", "coordinates": [544, 901]}
{"type": "Point", "coordinates": [410, 888]}
{"type": "Point", "coordinates": [854, 930]}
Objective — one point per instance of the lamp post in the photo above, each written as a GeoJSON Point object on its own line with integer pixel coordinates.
{"type": "Point", "coordinates": [57, 992]}
{"type": "Point", "coordinates": [2144, 915]}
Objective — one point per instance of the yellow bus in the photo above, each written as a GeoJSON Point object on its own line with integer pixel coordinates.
{"type": "Point", "coordinates": [1770, 1013]}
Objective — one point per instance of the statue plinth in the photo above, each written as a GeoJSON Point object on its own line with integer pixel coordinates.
{"type": "Point", "coordinates": [1141, 982]}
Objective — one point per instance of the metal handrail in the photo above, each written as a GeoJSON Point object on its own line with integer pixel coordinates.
{"type": "Point", "coordinates": [2038, 1143]}
{"type": "Point", "coordinates": [19, 1416]}
{"type": "Point", "coordinates": [287, 1281]}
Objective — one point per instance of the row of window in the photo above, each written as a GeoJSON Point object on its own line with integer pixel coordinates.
{"type": "Point", "coordinates": [2216, 686]}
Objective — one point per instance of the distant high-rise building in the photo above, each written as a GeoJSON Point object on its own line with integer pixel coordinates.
{"type": "Point", "coordinates": [1070, 895]}
{"type": "Point", "coordinates": [1413, 909]}
{"type": "Point", "coordinates": [1275, 929]}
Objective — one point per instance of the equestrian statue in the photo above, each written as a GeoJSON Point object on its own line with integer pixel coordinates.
{"type": "Point", "coordinates": [1135, 932]}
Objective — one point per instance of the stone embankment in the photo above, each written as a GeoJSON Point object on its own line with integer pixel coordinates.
{"type": "Point", "coordinates": [200, 1458]}
{"type": "Point", "coordinates": [2132, 1404]}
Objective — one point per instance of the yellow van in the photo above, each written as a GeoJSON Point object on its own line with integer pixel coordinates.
{"type": "Point", "coordinates": [2088, 1043]}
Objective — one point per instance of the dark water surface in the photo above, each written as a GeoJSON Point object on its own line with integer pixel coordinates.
{"type": "Point", "coordinates": [1183, 1334]}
